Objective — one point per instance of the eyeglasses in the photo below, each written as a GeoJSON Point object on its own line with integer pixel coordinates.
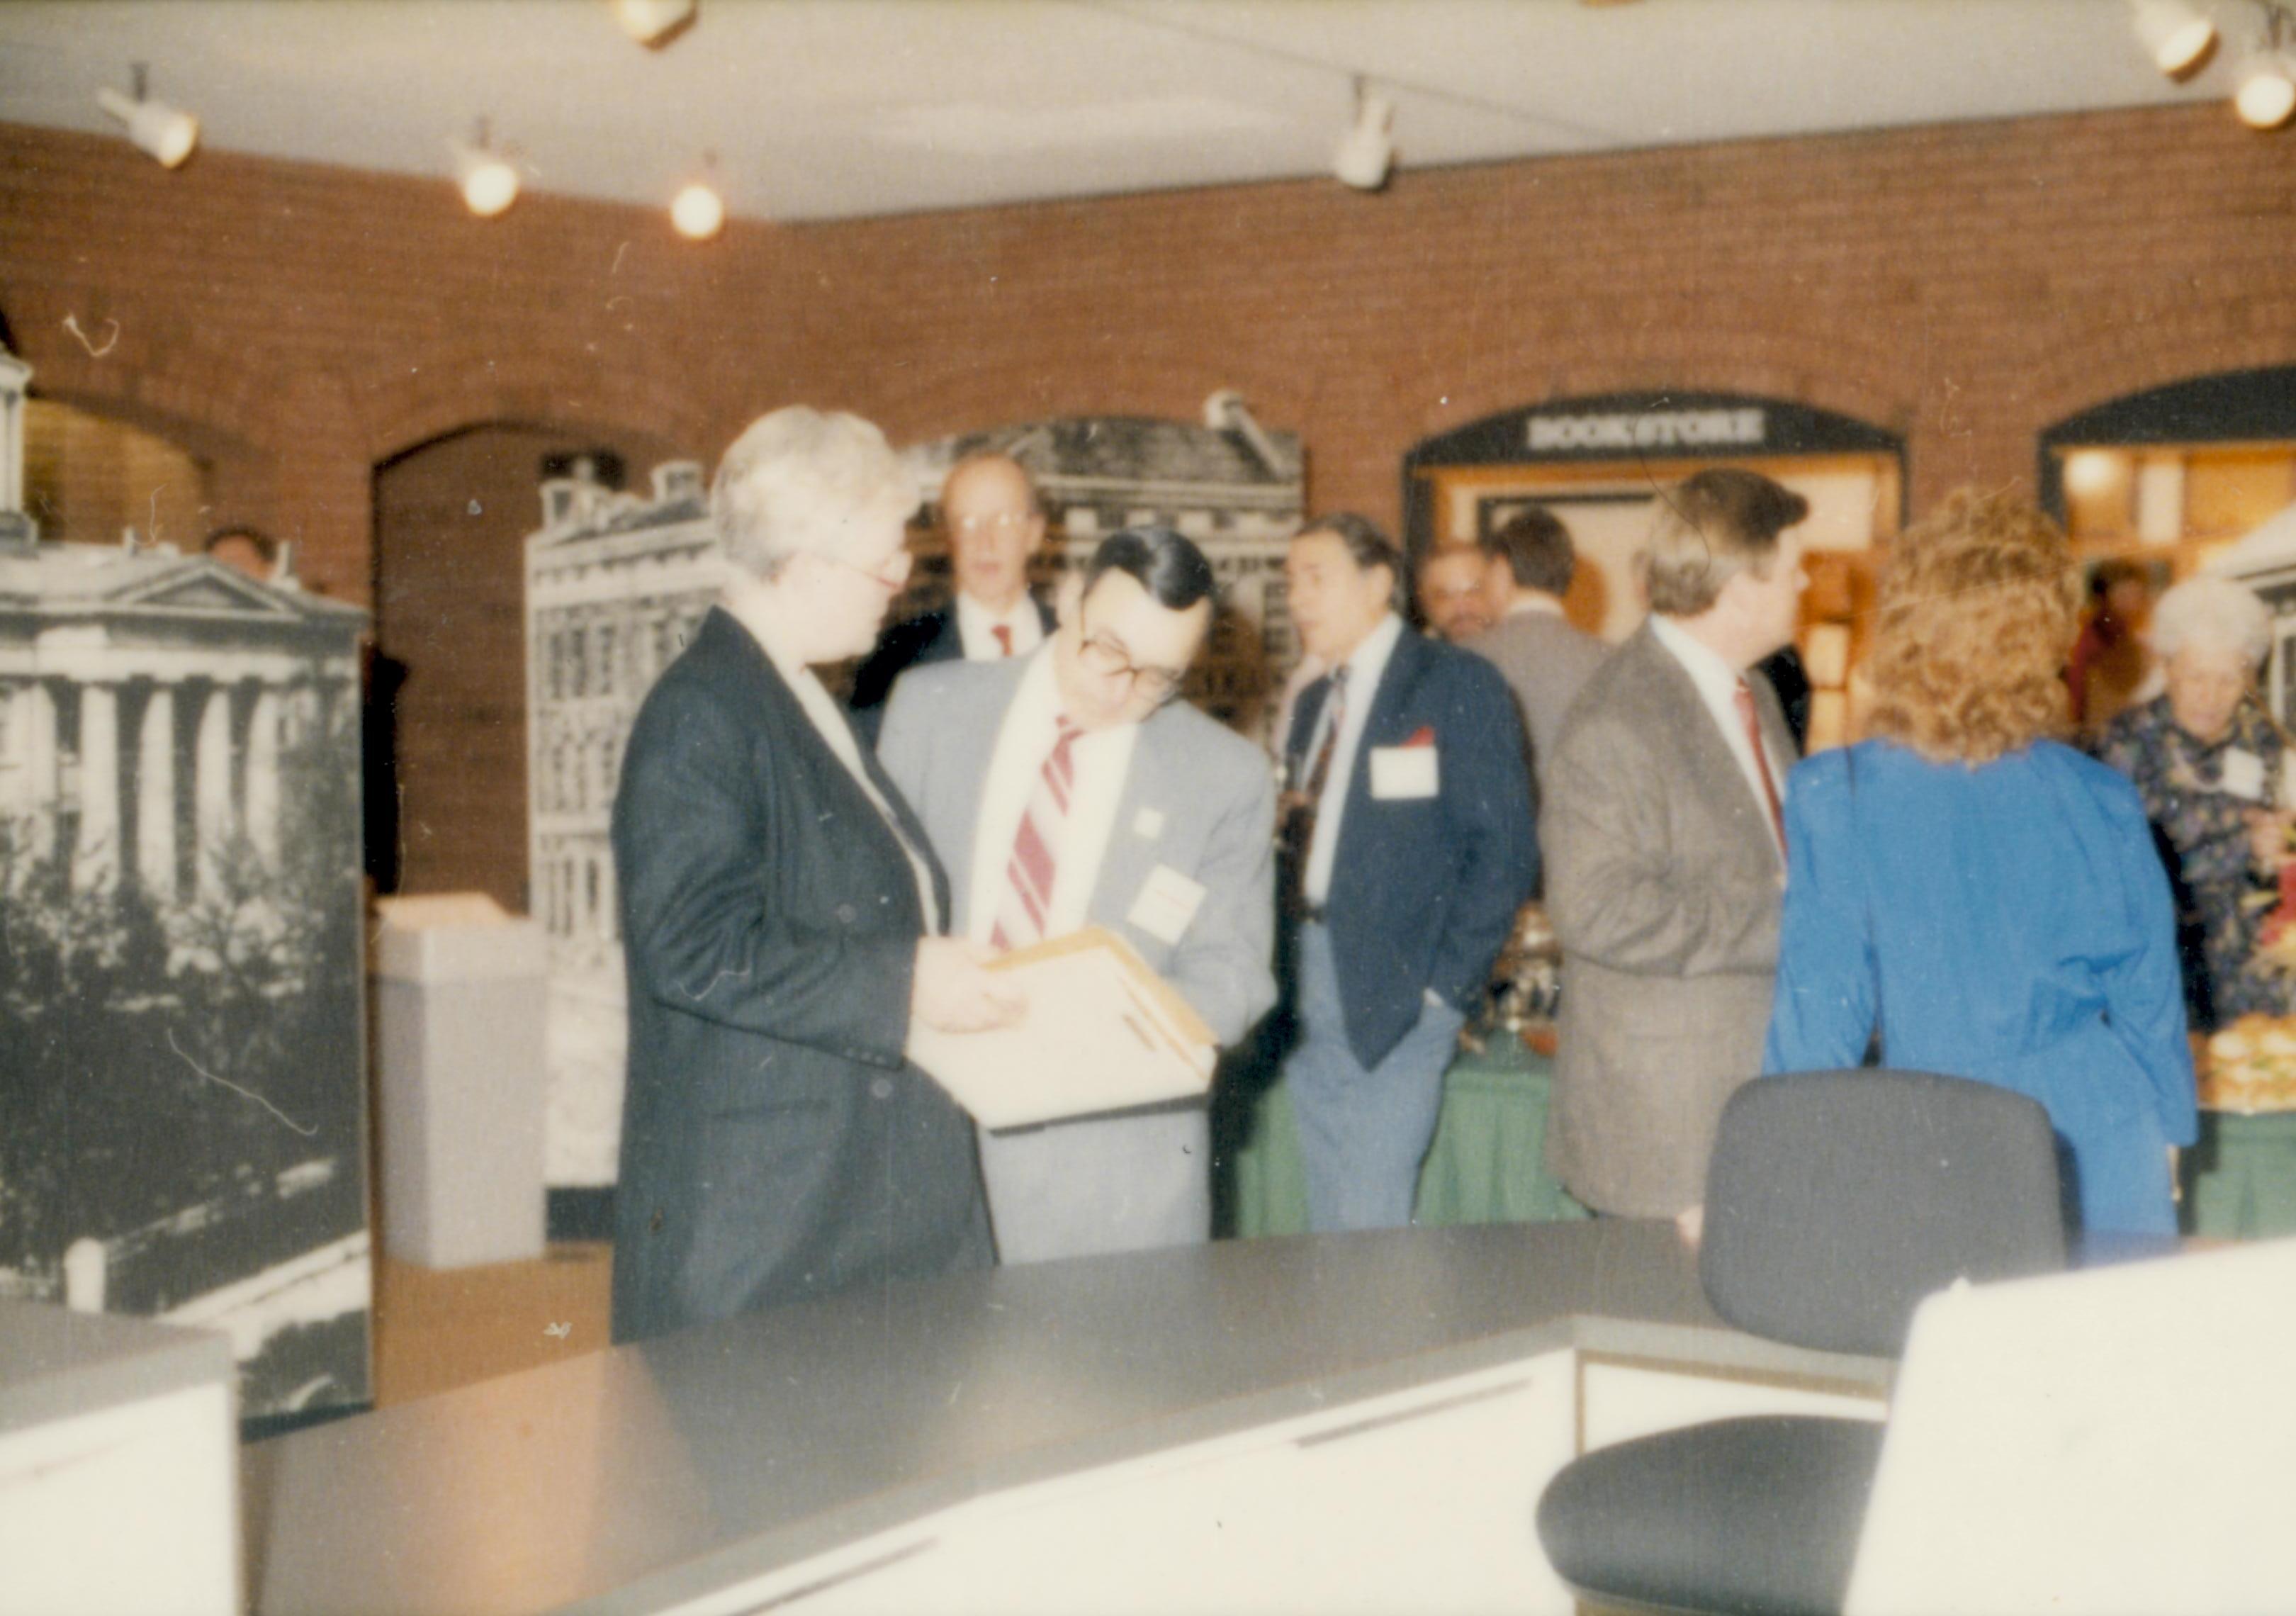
{"type": "Point", "coordinates": [1004, 521]}
{"type": "Point", "coordinates": [1110, 659]}
{"type": "Point", "coordinates": [890, 573]}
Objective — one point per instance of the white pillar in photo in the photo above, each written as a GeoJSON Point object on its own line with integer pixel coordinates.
{"type": "Point", "coordinates": [155, 794]}
{"type": "Point", "coordinates": [263, 774]}
{"type": "Point", "coordinates": [96, 857]}
{"type": "Point", "coordinates": [38, 710]}
{"type": "Point", "coordinates": [212, 818]}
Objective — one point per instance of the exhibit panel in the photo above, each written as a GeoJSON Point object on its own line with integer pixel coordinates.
{"type": "Point", "coordinates": [182, 1107]}
{"type": "Point", "coordinates": [1601, 463]}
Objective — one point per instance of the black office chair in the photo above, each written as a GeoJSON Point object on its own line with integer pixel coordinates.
{"type": "Point", "coordinates": [1835, 1203]}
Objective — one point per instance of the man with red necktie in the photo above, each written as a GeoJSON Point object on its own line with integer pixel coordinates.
{"type": "Point", "coordinates": [1069, 788]}
{"type": "Point", "coordinates": [1665, 848]}
{"type": "Point", "coordinates": [989, 515]}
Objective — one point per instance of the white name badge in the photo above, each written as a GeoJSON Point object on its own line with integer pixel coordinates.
{"type": "Point", "coordinates": [2243, 774]}
{"type": "Point", "coordinates": [1167, 901]}
{"type": "Point", "coordinates": [1404, 772]}
{"type": "Point", "coordinates": [1148, 823]}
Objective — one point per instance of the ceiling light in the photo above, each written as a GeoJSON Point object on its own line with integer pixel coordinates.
{"type": "Point", "coordinates": [698, 211]}
{"type": "Point", "coordinates": [156, 128]}
{"type": "Point", "coordinates": [2176, 36]}
{"type": "Point", "coordinates": [654, 22]}
{"type": "Point", "coordinates": [2267, 96]}
{"type": "Point", "coordinates": [488, 182]}
{"type": "Point", "coordinates": [1367, 151]}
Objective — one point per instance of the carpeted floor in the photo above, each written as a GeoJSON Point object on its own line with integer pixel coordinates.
{"type": "Point", "coordinates": [435, 1330]}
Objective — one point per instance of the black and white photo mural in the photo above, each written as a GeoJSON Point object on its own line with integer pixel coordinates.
{"type": "Point", "coordinates": [616, 583]}
{"type": "Point", "coordinates": [182, 1097]}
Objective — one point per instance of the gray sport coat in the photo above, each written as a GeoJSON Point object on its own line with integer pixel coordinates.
{"type": "Point", "coordinates": [1664, 885]}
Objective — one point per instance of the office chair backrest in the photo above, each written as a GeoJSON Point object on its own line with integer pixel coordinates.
{"type": "Point", "coordinates": [1837, 1200]}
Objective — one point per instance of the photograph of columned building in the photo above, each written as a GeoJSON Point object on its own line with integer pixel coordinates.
{"type": "Point", "coordinates": [180, 953]}
{"type": "Point", "coordinates": [616, 583]}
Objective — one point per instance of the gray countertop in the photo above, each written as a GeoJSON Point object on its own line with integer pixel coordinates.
{"type": "Point", "coordinates": [626, 1478]}
{"type": "Point", "coordinates": [54, 1362]}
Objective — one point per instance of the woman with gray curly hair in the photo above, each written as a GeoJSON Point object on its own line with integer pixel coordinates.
{"type": "Point", "coordinates": [2207, 760]}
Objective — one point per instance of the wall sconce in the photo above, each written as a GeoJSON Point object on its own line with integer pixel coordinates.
{"type": "Point", "coordinates": [1367, 151]}
{"type": "Point", "coordinates": [159, 130]}
{"type": "Point", "coordinates": [488, 181]}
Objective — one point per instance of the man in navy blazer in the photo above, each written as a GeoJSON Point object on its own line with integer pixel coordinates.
{"type": "Point", "coordinates": [990, 517]}
{"type": "Point", "coordinates": [1410, 843]}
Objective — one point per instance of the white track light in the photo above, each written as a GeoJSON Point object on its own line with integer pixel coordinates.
{"type": "Point", "coordinates": [489, 183]}
{"type": "Point", "coordinates": [1367, 151]}
{"type": "Point", "coordinates": [2176, 36]}
{"type": "Point", "coordinates": [161, 131]}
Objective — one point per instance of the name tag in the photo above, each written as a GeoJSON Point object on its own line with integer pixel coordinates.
{"type": "Point", "coordinates": [1168, 902]}
{"type": "Point", "coordinates": [2243, 774]}
{"type": "Point", "coordinates": [1399, 773]}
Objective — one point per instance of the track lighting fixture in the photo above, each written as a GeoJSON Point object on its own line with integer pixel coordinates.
{"type": "Point", "coordinates": [1367, 151]}
{"type": "Point", "coordinates": [488, 182]}
{"type": "Point", "coordinates": [2177, 36]}
{"type": "Point", "coordinates": [653, 23]}
{"type": "Point", "coordinates": [698, 212]}
{"type": "Point", "coordinates": [161, 131]}
{"type": "Point", "coordinates": [2264, 96]}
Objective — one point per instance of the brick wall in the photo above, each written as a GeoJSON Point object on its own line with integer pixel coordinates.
{"type": "Point", "coordinates": [1965, 284]}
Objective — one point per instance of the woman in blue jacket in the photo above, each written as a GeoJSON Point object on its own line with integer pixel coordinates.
{"type": "Point", "coordinates": [1987, 898]}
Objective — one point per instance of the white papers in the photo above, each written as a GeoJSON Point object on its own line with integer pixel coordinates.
{"type": "Point", "coordinates": [1102, 1033]}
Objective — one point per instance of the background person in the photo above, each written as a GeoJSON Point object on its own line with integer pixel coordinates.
{"type": "Point", "coordinates": [1665, 854]}
{"type": "Point", "coordinates": [1453, 591]}
{"type": "Point", "coordinates": [780, 911]}
{"type": "Point", "coordinates": [1409, 845]}
{"type": "Point", "coordinates": [1545, 660]}
{"type": "Point", "coordinates": [2208, 761]}
{"type": "Point", "coordinates": [1985, 895]}
{"type": "Point", "coordinates": [994, 527]}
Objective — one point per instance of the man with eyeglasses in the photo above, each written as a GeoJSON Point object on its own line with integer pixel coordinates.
{"type": "Point", "coordinates": [1072, 788]}
{"type": "Point", "coordinates": [989, 515]}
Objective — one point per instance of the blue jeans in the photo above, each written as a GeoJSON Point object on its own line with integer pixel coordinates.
{"type": "Point", "coordinates": [1362, 1132]}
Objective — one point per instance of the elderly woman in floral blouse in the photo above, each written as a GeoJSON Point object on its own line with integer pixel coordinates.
{"type": "Point", "coordinates": [2207, 759]}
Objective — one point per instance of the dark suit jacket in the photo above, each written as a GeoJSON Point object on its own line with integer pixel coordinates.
{"type": "Point", "coordinates": [776, 1144]}
{"type": "Point", "coordinates": [1424, 891]}
{"type": "Point", "coordinates": [932, 637]}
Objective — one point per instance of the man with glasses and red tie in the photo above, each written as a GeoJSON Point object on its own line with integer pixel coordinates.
{"type": "Point", "coordinates": [989, 515]}
{"type": "Point", "coordinates": [1072, 788]}
{"type": "Point", "coordinates": [1665, 850]}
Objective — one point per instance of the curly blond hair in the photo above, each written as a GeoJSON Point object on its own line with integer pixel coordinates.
{"type": "Point", "coordinates": [1976, 612]}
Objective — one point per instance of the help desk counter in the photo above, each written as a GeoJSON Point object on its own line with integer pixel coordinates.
{"type": "Point", "coordinates": [1318, 1423]}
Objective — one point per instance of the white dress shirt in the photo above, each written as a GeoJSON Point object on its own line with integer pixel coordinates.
{"type": "Point", "coordinates": [1718, 687]}
{"type": "Point", "coordinates": [1538, 602]}
{"type": "Point", "coordinates": [1365, 665]}
{"type": "Point", "coordinates": [1102, 759]}
{"type": "Point", "coordinates": [977, 626]}
{"type": "Point", "coordinates": [829, 721]}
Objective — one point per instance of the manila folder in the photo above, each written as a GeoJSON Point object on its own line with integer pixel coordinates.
{"type": "Point", "coordinates": [1103, 1032]}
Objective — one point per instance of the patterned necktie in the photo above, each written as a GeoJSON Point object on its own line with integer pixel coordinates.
{"type": "Point", "coordinates": [1745, 695]}
{"type": "Point", "coordinates": [1026, 908]}
{"type": "Point", "coordinates": [1302, 802]}
{"type": "Point", "coordinates": [1004, 633]}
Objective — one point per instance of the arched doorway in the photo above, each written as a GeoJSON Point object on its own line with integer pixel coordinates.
{"type": "Point", "coordinates": [446, 765]}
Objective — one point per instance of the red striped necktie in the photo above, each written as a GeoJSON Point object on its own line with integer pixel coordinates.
{"type": "Point", "coordinates": [1745, 695]}
{"type": "Point", "coordinates": [1024, 911]}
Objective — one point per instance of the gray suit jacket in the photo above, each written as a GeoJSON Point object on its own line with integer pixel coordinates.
{"type": "Point", "coordinates": [1664, 883]}
{"type": "Point", "coordinates": [1137, 1179]}
{"type": "Point", "coordinates": [1546, 662]}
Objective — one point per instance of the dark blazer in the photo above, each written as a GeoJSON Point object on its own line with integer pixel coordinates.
{"type": "Point", "coordinates": [932, 637]}
{"type": "Point", "coordinates": [776, 1144]}
{"type": "Point", "coordinates": [1424, 891]}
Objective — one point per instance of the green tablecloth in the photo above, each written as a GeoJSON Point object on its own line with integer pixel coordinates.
{"type": "Point", "coordinates": [2240, 1180]}
{"type": "Point", "coordinates": [1487, 1163]}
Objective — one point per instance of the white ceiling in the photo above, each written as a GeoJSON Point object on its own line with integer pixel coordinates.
{"type": "Point", "coordinates": [825, 108]}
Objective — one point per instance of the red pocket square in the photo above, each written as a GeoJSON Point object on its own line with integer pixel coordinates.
{"type": "Point", "coordinates": [1425, 736]}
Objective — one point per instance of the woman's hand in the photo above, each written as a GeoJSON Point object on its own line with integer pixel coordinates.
{"type": "Point", "coordinates": [951, 992]}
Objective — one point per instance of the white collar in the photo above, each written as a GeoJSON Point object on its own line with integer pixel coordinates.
{"type": "Point", "coordinates": [1536, 604]}
{"type": "Point", "coordinates": [1368, 660]}
{"type": "Point", "coordinates": [971, 612]}
{"type": "Point", "coordinates": [1715, 679]}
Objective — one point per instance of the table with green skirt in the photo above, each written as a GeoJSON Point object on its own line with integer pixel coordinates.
{"type": "Point", "coordinates": [1487, 1163]}
{"type": "Point", "coordinates": [2240, 1180]}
